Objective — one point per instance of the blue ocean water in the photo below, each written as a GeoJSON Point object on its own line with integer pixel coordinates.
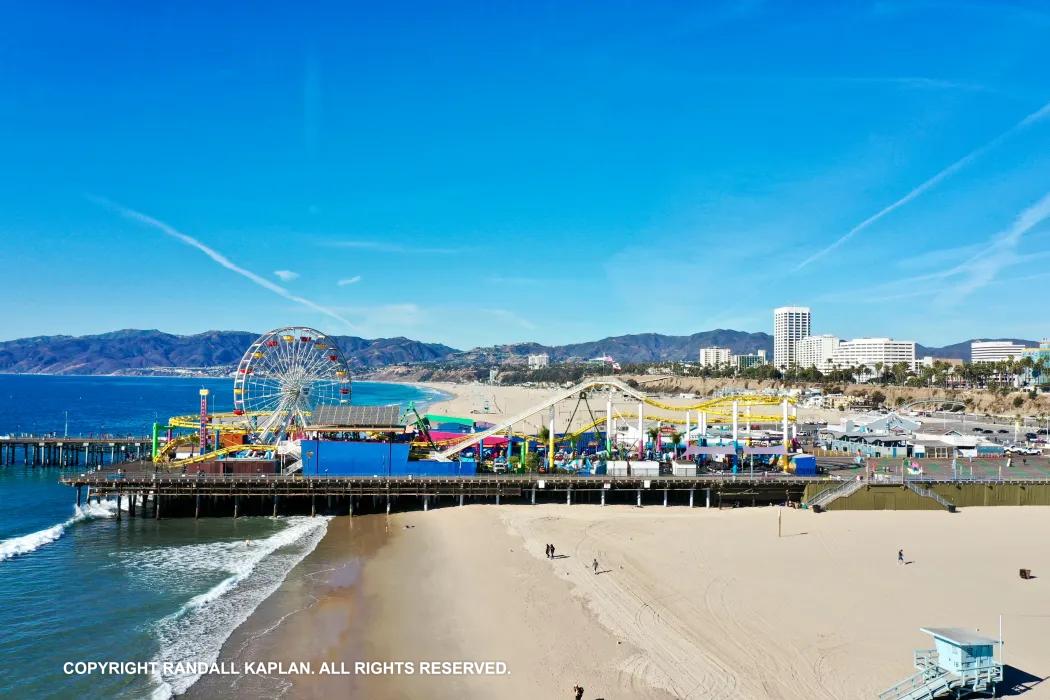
{"type": "Point", "coordinates": [79, 586]}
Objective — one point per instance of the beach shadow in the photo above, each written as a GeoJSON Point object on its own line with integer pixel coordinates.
{"type": "Point", "coordinates": [909, 563]}
{"type": "Point", "coordinates": [1017, 682]}
{"type": "Point", "coordinates": [795, 534]}
{"type": "Point", "coordinates": [560, 556]}
{"type": "Point", "coordinates": [604, 571]}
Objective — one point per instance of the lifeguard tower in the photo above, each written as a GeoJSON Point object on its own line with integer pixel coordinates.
{"type": "Point", "coordinates": [962, 663]}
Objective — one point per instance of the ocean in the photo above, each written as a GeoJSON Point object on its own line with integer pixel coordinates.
{"type": "Point", "coordinates": [78, 586]}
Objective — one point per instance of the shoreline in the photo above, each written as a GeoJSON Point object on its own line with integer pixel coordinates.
{"type": "Point", "coordinates": [688, 603]}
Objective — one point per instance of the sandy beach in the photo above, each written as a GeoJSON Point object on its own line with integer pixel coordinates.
{"type": "Point", "coordinates": [493, 403]}
{"type": "Point", "coordinates": [687, 603]}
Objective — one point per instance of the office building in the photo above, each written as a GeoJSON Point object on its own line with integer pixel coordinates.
{"type": "Point", "coordinates": [816, 351]}
{"type": "Point", "coordinates": [539, 361]}
{"type": "Point", "coordinates": [867, 352]}
{"type": "Point", "coordinates": [790, 325]}
{"type": "Point", "coordinates": [756, 359]}
{"type": "Point", "coordinates": [995, 351]}
{"type": "Point", "coordinates": [715, 357]}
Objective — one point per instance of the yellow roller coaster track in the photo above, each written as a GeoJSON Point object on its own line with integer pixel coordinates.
{"type": "Point", "coordinates": [720, 406]}
{"type": "Point", "coordinates": [208, 456]}
{"type": "Point", "coordinates": [569, 437]}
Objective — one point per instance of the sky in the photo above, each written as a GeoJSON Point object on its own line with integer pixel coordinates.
{"type": "Point", "coordinates": [481, 173]}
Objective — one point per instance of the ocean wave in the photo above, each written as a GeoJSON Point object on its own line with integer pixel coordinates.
{"type": "Point", "coordinates": [198, 629]}
{"type": "Point", "coordinates": [24, 544]}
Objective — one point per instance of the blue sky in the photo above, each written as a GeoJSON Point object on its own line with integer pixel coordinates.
{"type": "Point", "coordinates": [491, 172]}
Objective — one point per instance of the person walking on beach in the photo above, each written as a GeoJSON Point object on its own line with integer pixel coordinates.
{"type": "Point", "coordinates": [548, 551]}
{"type": "Point", "coordinates": [900, 556]}
{"type": "Point", "coordinates": [577, 692]}
{"type": "Point", "coordinates": [596, 567]}
{"type": "Point", "coordinates": [552, 551]}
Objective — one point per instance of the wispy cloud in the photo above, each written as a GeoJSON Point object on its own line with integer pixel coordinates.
{"type": "Point", "coordinates": [958, 165]}
{"type": "Point", "coordinates": [982, 267]}
{"type": "Point", "coordinates": [349, 280]}
{"type": "Point", "coordinates": [385, 247]}
{"type": "Point", "coordinates": [286, 275]}
{"type": "Point", "coordinates": [217, 257]}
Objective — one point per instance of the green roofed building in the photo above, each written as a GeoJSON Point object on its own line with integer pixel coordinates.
{"type": "Point", "coordinates": [435, 419]}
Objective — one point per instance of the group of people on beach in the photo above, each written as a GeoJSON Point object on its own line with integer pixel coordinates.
{"type": "Point", "coordinates": [550, 551]}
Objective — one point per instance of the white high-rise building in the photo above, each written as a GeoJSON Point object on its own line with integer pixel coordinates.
{"type": "Point", "coordinates": [715, 357]}
{"type": "Point", "coordinates": [995, 351]}
{"type": "Point", "coordinates": [790, 325]}
{"type": "Point", "coordinates": [868, 352]}
{"type": "Point", "coordinates": [817, 351]}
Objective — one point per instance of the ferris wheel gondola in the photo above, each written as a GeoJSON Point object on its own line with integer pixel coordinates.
{"type": "Point", "coordinates": [284, 376]}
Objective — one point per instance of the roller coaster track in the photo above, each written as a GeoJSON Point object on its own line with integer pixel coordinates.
{"type": "Point", "coordinates": [714, 406]}
{"type": "Point", "coordinates": [222, 451]}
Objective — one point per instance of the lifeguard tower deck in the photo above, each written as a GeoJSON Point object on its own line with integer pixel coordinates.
{"type": "Point", "coordinates": [962, 663]}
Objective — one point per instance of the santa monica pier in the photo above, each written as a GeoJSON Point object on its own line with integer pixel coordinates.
{"type": "Point", "coordinates": [295, 443]}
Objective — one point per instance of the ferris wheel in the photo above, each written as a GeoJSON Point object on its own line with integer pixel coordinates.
{"type": "Point", "coordinates": [284, 376]}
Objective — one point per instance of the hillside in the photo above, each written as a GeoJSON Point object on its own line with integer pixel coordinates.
{"type": "Point", "coordinates": [217, 352]}
{"type": "Point", "coordinates": [641, 347]}
{"type": "Point", "coordinates": [152, 351]}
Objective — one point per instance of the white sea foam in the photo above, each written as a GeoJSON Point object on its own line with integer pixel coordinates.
{"type": "Point", "coordinates": [197, 631]}
{"type": "Point", "coordinates": [24, 544]}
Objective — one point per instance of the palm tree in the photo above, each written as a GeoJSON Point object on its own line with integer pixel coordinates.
{"type": "Point", "coordinates": [654, 434]}
{"type": "Point", "coordinates": [676, 440]}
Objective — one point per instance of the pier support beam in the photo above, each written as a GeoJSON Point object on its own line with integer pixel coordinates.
{"type": "Point", "coordinates": [78, 496]}
{"type": "Point", "coordinates": [236, 506]}
{"type": "Point", "coordinates": [691, 492]}
{"type": "Point", "coordinates": [313, 505]}
{"type": "Point", "coordinates": [603, 497]}
{"type": "Point", "coordinates": [568, 496]}
{"type": "Point", "coordinates": [533, 495]}
{"type": "Point", "coordinates": [197, 507]}
{"type": "Point", "coordinates": [118, 506]}
{"type": "Point", "coordinates": [426, 503]}
{"type": "Point", "coordinates": [708, 498]}
{"type": "Point", "coordinates": [497, 499]}
{"type": "Point", "coordinates": [275, 505]}
{"type": "Point", "coordinates": [350, 510]}
{"type": "Point", "coordinates": [156, 506]}
{"type": "Point", "coordinates": [388, 505]}
{"type": "Point", "coordinates": [639, 498]}
{"type": "Point", "coordinates": [665, 498]}
{"type": "Point", "coordinates": [131, 505]}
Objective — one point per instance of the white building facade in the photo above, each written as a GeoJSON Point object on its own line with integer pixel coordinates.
{"type": "Point", "coordinates": [867, 352]}
{"type": "Point", "coordinates": [817, 351]}
{"type": "Point", "coordinates": [715, 357]}
{"type": "Point", "coordinates": [790, 325]}
{"type": "Point", "coordinates": [995, 351]}
{"type": "Point", "coordinates": [539, 361]}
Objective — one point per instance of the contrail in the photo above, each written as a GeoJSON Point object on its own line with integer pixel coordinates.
{"type": "Point", "coordinates": [218, 257]}
{"type": "Point", "coordinates": [1032, 118]}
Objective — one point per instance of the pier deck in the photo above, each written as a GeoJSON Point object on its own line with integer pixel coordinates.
{"type": "Point", "coordinates": [71, 451]}
{"type": "Point", "coordinates": [266, 493]}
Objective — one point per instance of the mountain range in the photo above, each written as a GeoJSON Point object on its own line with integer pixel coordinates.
{"type": "Point", "coordinates": [217, 352]}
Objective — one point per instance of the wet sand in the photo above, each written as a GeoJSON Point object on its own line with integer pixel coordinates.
{"type": "Point", "coordinates": [688, 603]}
